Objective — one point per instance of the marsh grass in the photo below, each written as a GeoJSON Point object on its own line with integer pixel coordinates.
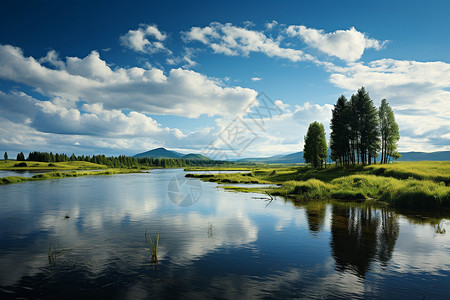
{"type": "Point", "coordinates": [59, 174]}
{"type": "Point", "coordinates": [416, 185]}
{"type": "Point", "coordinates": [153, 244]}
{"type": "Point", "coordinates": [438, 171]}
{"type": "Point", "coordinates": [228, 178]}
{"type": "Point", "coordinates": [13, 179]}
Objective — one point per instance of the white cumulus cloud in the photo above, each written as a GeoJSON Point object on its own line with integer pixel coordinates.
{"type": "Point", "coordinates": [348, 45]}
{"type": "Point", "coordinates": [234, 40]}
{"type": "Point", "coordinates": [145, 39]}
{"type": "Point", "coordinates": [179, 92]}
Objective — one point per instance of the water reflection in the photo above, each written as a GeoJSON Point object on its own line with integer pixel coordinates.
{"type": "Point", "coordinates": [361, 235]}
{"type": "Point", "coordinates": [28, 173]}
{"type": "Point", "coordinates": [227, 245]}
{"type": "Point", "coordinates": [315, 214]}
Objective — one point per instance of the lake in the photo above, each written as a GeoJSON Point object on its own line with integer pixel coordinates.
{"type": "Point", "coordinates": [213, 243]}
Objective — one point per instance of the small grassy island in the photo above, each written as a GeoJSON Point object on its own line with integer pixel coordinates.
{"type": "Point", "coordinates": [56, 170]}
{"type": "Point", "coordinates": [403, 184]}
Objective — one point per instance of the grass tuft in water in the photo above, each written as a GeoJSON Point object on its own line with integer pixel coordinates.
{"type": "Point", "coordinates": [153, 246]}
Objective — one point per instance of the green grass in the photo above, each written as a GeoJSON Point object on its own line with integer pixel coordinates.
{"type": "Point", "coordinates": [416, 185]}
{"type": "Point", "coordinates": [13, 179]}
{"type": "Point", "coordinates": [432, 170]}
{"type": "Point", "coordinates": [34, 165]}
{"type": "Point", "coordinates": [399, 193]}
{"type": "Point", "coordinates": [153, 244]}
{"type": "Point", "coordinates": [229, 178]}
{"type": "Point", "coordinates": [59, 174]}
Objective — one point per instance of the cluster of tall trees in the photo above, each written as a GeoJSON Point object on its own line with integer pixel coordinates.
{"type": "Point", "coordinates": [359, 130]}
{"type": "Point", "coordinates": [359, 133]}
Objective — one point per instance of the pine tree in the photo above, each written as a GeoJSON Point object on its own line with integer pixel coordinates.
{"type": "Point", "coordinates": [364, 126]}
{"type": "Point", "coordinates": [340, 132]}
{"type": "Point", "coordinates": [389, 132]}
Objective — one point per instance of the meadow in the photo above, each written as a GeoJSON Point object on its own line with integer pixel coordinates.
{"type": "Point", "coordinates": [412, 185]}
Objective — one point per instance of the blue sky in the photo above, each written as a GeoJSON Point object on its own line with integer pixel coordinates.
{"type": "Point", "coordinates": [122, 77]}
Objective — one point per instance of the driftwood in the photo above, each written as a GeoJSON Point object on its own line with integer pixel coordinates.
{"type": "Point", "coordinates": [267, 199]}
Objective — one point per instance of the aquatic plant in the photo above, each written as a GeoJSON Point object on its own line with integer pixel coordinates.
{"type": "Point", "coordinates": [153, 246]}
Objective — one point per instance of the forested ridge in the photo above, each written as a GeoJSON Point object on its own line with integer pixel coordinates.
{"type": "Point", "coordinates": [120, 161]}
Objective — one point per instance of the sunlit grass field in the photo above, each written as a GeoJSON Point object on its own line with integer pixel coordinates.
{"type": "Point", "coordinates": [433, 170]}
{"type": "Point", "coordinates": [404, 184]}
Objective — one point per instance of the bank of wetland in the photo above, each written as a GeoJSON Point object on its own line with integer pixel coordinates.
{"type": "Point", "coordinates": [411, 185]}
{"type": "Point", "coordinates": [404, 184]}
{"type": "Point", "coordinates": [46, 171]}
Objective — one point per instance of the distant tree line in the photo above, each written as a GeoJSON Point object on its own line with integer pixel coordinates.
{"type": "Point", "coordinates": [121, 161]}
{"type": "Point", "coordinates": [359, 133]}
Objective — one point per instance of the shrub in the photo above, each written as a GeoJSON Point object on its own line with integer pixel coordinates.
{"type": "Point", "coordinates": [22, 164]}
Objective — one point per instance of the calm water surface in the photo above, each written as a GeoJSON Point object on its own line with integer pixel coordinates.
{"type": "Point", "coordinates": [22, 173]}
{"type": "Point", "coordinates": [224, 245]}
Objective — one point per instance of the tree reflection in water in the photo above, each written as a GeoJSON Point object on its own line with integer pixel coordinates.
{"type": "Point", "coordinates": [315, 215]}
{"type": "Point", "coordinates": [361, 235]}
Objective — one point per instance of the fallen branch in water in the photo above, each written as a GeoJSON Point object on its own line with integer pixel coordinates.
{"type": "Point", "coordinates": [264, 198]}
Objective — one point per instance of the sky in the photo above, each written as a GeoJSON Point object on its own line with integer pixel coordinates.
{"type": "Point", "coordinates": [228, 79]}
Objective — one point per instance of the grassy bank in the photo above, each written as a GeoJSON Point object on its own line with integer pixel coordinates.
{"type": "Point", "coordinates": [59, 174]}
{"type": "Point", "coordinates": [405, 184]}
{"type": "Point", "coordinates": [12, 165]}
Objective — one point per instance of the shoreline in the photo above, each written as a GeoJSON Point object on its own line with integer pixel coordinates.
{"type": "Point", "coordinates": [418, 185]}
{"type": "Point", "coordinates": [67, 174]}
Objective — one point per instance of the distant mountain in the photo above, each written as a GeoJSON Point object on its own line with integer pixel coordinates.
{"type": "Point", "coordinates": [293, 158]}
{"type": "Point", "coordinates": [417, 156]}
{"type": "Point", "coordinates": [192, 156]}
{"type": "Point", "coordinates": [159, 153]}
{"type": "Point", "coordinates": [297, 157]}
